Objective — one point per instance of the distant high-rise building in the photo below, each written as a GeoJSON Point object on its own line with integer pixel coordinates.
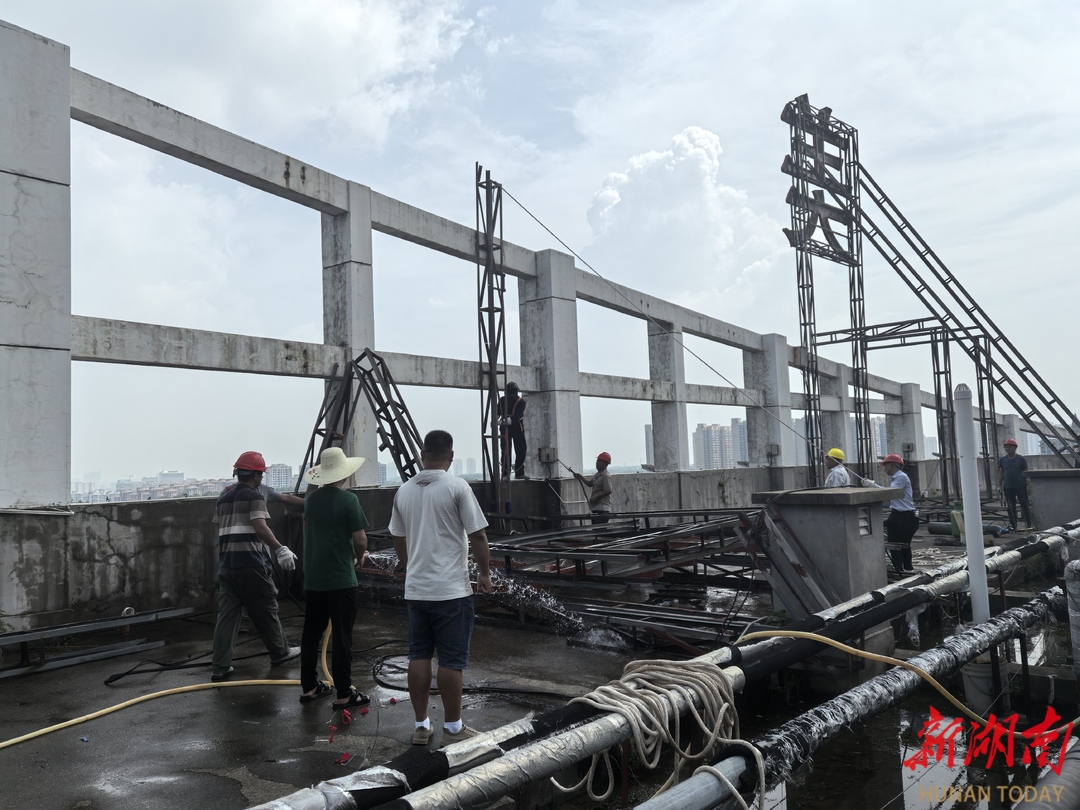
{"type": "Point", "coordinates": [930, 445]}
{"type": "Point", "coordinates": [715, 446]}
{"type": "Point", "coordinates": [382, 474]}
{"type": "Point", "coordinates": [279, 477]}
{"type": "Point", "coordinates": [878, 437]}
{"type": "Point", "coordinates": [738, 439]}
{"type": "Point", "coordinates": [470, 466]}
{"type": "Point", "coordinates": [171, 477]}
{"type": "Point", "coordinates": [457, 467]}
{"type": "Point", "coordinates": [648, 445]}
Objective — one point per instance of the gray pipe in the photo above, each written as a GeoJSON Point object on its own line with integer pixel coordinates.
{"type": "Point", "coordinates": [1072, 587]}
{"type": "Point", "coordinates": [1060, 791]}
{"type": "Point", "coordinates": [789, 746]}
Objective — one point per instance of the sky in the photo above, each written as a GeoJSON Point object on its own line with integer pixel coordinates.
{"type": "Point", "coordinates": [646, 136]}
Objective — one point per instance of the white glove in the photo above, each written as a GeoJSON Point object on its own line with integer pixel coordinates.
{"type": "Point", "coordinates": [286, 560]}
{"type": "Point", "coordinates": [869, 482]}
{"type": "Point", "coordinates": [503, 421]}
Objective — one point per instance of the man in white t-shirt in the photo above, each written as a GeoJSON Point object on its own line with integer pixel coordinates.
{"type": "Point", "coordinates": [435, 520]}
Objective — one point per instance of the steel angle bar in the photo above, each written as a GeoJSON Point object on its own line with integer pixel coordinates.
{"type": "Point", "coordinates": [799, 562]}
{"type": "Point", "coordinates": [93, 654]}
{"type": "Point", "coordinates": [21, 636]}
{"type": "Point", "coordinates": [795, 597]}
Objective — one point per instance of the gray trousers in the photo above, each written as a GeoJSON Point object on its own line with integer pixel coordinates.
{"type": "Point", "coordinates": [254, 589]}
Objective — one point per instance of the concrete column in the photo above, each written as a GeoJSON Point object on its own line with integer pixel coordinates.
{"type": "Point", "coordinates": [547, 308]}
{"type": "Point", "coordinates": [769, 434]}
{"type": "Point", "coordinates": [35, 269]}
{"type": "Point", "coordinates": [1011, 430]}
{"type": "Point", "coordinates": [904, 431]}
{"type": "Point", "coordinates": [670, 442]}
{"type": "Point", "coordinates": [349, 309]}
{"type": "Point", "coordinates": [835, 425]}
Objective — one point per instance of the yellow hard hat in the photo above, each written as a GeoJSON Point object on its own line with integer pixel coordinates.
{"type": "Point", "coordinates": [836, 453]}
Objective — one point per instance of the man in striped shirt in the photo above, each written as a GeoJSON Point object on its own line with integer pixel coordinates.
{"type": "Point", "coordinates": [245, 541]}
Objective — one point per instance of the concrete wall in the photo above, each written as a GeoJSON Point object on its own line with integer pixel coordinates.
{"type": "Point", "coordinates": [152, 555]}
{"type": "Point", "coordinates": [929, 478]}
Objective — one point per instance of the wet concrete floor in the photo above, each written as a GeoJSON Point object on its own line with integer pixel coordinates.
{"type": "Point", "coordinates": [238, 746]}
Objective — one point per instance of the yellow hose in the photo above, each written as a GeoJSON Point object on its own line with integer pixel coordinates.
{"type": "Point", "coordinates": [175, 691]}
{"type": "Point", "coordinates": [886, 659]}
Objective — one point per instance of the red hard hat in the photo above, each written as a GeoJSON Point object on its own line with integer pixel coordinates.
{"type": "Point", "coordinates": [250, 461]}
{"type": "Point", "coordinates": [1011, 441]}
{"type": "Point", "coordinates": [605, 456]}
{"type": "Point", "coordinates": [894, 459]}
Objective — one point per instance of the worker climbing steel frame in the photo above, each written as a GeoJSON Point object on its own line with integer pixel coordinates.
{"type": "Point", "coordinates": [1003, 370]}
{"type": "Point", "coordinates": [394, 424]}
{"type": "Point", "coordinates": [825, 154]}
{"type": "Point", "coordinates": [491, 291]}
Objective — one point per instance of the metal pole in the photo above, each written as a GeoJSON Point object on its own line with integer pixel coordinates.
{"type": "Point", "coordinates": [969, 486]}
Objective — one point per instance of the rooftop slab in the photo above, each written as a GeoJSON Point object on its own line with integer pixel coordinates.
{"type": "Point", "coordinates": [235, 746]}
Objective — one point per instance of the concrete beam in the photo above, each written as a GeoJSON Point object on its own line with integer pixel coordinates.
{"type": "Point", "coordinates": [723, 395]}
{"type": "Point", "coordinates": [104, 340]}
{"type": "Point", "coordinates": [420, 227]}
{"type": "Point", "coordinates": [595, 290]}
{"type": "Point", "coordinates": [120, 112]}
{"type": "Point", "coordinates": [101, 340]}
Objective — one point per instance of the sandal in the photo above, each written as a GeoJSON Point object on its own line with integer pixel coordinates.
{"type": "Point", "coordinates": [323, 689]}
{"type": "Point", "coordinates": [356, 698]}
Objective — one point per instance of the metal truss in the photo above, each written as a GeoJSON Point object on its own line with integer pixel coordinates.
{"type": "Point", "coordinates": [920, 332]}
{"type": "Point", "coordinates": [825, 155]}
{"type": "Point", "coordinates": [1000, 368]}
{"type": "Point", "coordinates": [369, 376]}
{"type": "Point", "coordinates": [1005, 369]}
{"type": "Point", "coordinates": [490, 293]}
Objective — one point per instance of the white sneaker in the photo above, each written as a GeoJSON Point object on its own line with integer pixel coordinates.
{"type": "Point", "coordinates": [294, 652]}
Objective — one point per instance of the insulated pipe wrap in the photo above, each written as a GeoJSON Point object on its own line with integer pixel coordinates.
{"type": "Point", "coordinates": [1072, 587]}
{"type": "Point", "coordinates": [793, 743]}
{"type": "Point", "coordinates": [1064, 785]}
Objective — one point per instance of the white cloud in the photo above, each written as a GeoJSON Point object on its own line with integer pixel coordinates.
{"type": "Point", "coordinates": [669, 225]}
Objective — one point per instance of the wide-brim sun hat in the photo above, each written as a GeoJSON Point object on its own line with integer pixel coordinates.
{"type": "Point", "coordinates": [333, 466]}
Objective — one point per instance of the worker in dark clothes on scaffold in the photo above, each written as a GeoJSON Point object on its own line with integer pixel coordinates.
{"type": "Point", "coordinates": [511, 412]}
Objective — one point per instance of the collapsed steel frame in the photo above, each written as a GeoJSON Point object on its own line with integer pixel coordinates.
{"type": "Point", "coordinates": [838, 172]}
{"type": "Point", "coordinates": [394, 424]}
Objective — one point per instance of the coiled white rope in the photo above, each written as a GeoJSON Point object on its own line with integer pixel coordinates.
{"type": "Point", "coordinates": [647, 697]}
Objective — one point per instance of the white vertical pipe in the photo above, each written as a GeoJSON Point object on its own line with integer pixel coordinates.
{"type": "Point", "coordinates": [969, 488]}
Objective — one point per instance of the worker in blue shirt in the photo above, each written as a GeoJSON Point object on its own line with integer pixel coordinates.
{"type": "Point", "coordinates": [903, 520]}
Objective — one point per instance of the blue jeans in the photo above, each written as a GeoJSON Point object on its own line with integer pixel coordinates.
{"type": "Point", "coordinates": [445, 626]}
